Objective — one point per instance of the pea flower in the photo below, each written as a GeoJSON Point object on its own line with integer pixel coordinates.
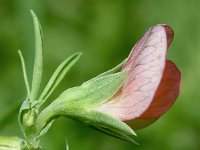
{"type": "Point", "coordinates": [153, 83]}
{"type": "Point", "coordinates": [116, 102]}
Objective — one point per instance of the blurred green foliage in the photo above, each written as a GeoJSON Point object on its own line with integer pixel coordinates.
{"type": "Point", "coordinates": [105, 31]}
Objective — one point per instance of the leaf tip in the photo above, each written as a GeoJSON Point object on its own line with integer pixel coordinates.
{"type": "Point", "coordinates": [32, 12]}
{"type": "Point", "coordinates": [79, 54]}
{"type": "Point", "coordinates": [19, 51]}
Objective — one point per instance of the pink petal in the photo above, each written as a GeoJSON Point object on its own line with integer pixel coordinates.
{"type": "Point", "coordinates": [146, 65]}
{"type": "Point", "coordinates": [166, 93]}
{"type": "Point", "coordinates": [164, 97]}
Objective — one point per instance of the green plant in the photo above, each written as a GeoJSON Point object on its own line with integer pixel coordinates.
{"type": "Point", "coordinates": [130, 96]}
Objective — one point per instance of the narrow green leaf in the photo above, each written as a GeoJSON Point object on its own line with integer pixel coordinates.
{"type": "Point", "coordinates": [38, 62]}
{"type": "Point", "coordinates": [113, 70]}
{"type": "Point", "coordinates": [45, 129]}
{"type": "Point", "coordinates": [58, 75]}
{"type": "Point", "coordinates": [25, 74]}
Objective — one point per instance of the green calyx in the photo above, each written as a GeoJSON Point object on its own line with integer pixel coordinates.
{"type": "Point", "coordinates": [81, 103]}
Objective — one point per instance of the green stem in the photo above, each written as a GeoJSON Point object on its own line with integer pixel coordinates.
{"type": "Point", "coordinates": [44, 117]}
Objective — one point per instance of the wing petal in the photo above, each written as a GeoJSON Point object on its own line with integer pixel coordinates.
{"type": "Point", "coordinates": [145, 64]}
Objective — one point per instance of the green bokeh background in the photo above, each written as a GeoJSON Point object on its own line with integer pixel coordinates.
{"type": "Point", "coordinates": [105, 31]}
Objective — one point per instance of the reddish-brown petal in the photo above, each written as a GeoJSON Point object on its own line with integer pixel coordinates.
{"type": "Point", "coordinates": [166, 93]}
{"type": "Point", "coordinates": [164, 98]}
{"type": "Point", "coordinates": [170, 34]}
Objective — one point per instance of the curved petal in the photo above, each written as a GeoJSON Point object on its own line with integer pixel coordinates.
{"type": "Point", "coordinates": [170, 34]}
{"type": "Point", "coordinates": [166, 93]}
{"type": "Point", "coordinates": [164, 98]}
{"type": "Point", "coordinates": [146, 65]}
